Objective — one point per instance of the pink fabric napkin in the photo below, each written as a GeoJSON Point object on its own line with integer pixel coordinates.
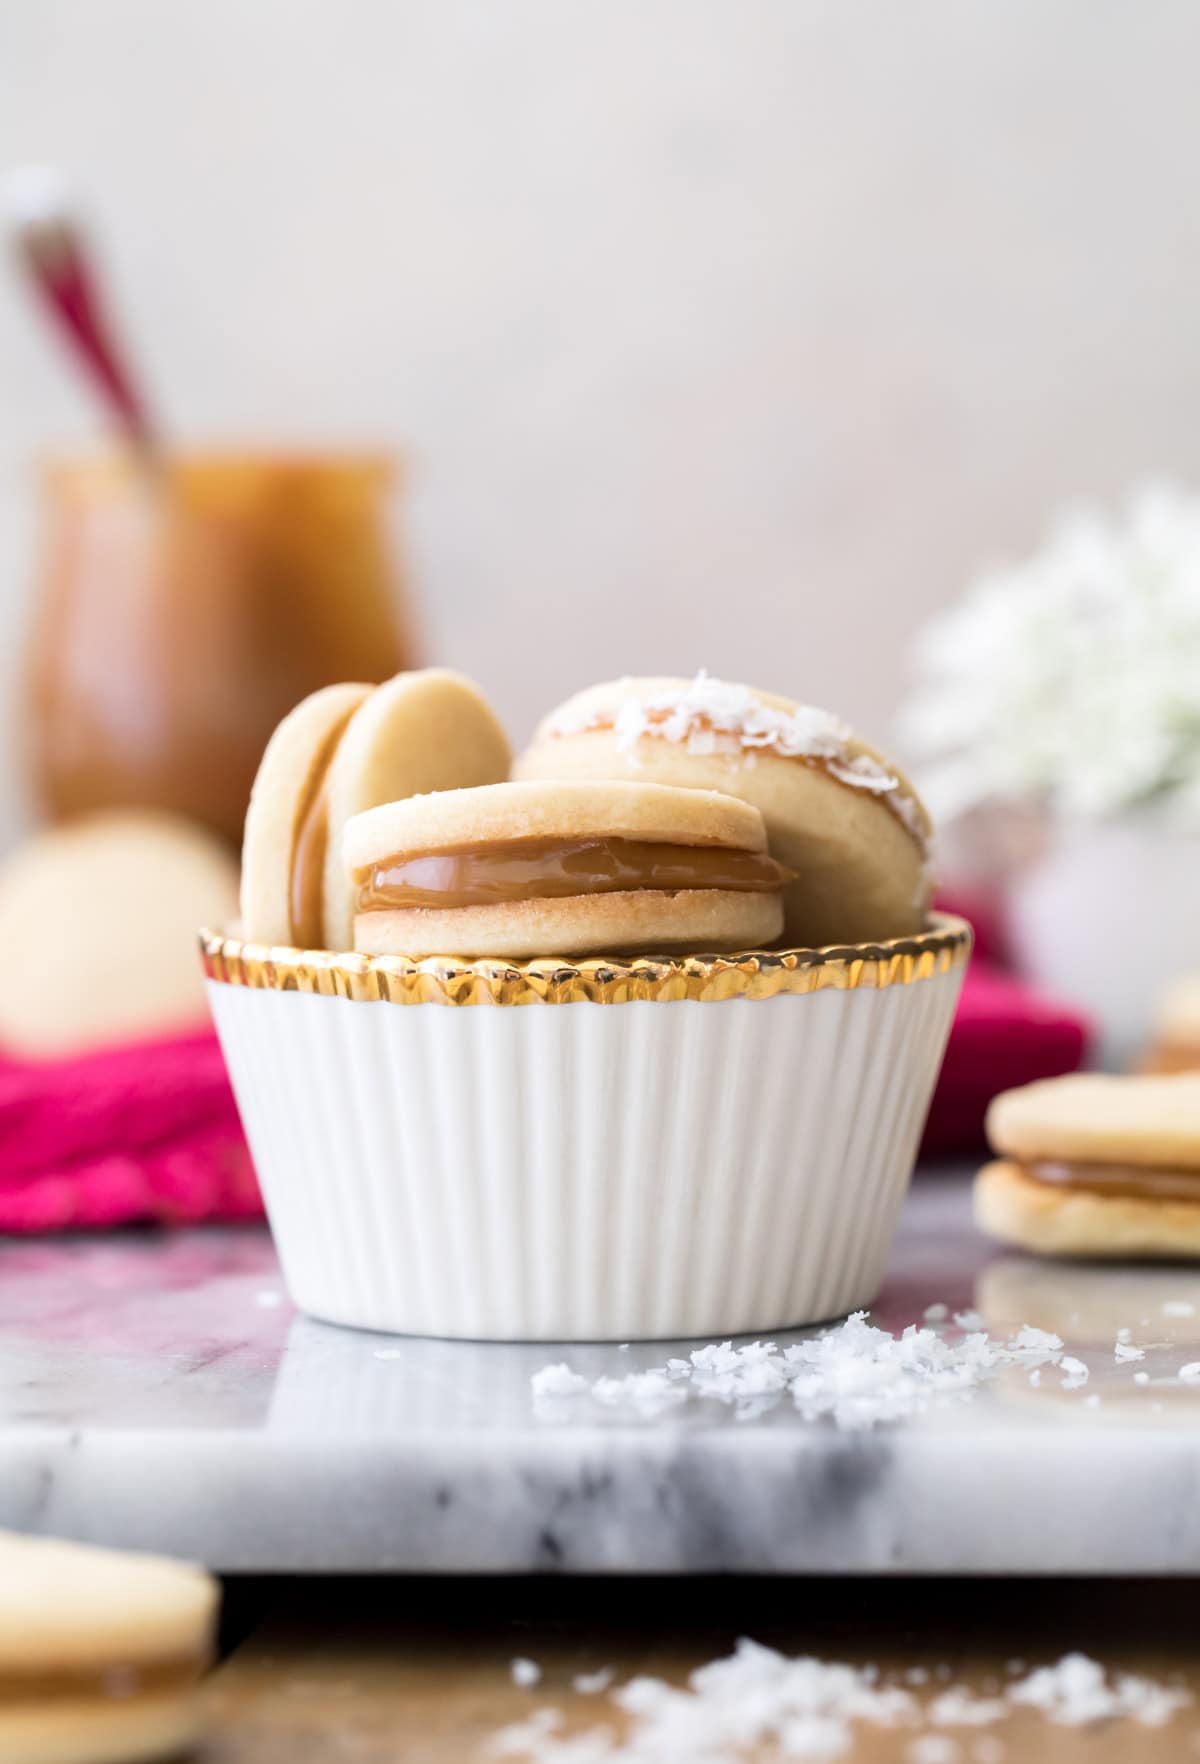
{"type": "Point", "coordinates": [142, 1133]}
{"type": "Point", "coordinates": [1005, 1033]}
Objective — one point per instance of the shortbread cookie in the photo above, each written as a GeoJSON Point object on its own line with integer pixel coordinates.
{"type": "Point", "coordinates": [838, 814]}
{"type": "Point", "coordinates": [551, 869]}
{"type": "Point", "coordinates": [1063, 1221]}
{"type": "Point", "coordinates": [343, 750]}
{"type": "Point", "coordinates": [98, 923]}
{"type": "Point", "coordinates": [101, 1652]}
{"type": "Point", "coordinates": [1175, 1042]}
{"type": "Point", "coordinates": [1090, 1165]}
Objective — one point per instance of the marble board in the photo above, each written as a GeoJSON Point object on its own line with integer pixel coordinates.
{"type": "Point", "coordinates": [158, 1391]}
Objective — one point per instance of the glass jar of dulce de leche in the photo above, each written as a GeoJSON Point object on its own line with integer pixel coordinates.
{"type": "Point", "coordinates": [185, 607]}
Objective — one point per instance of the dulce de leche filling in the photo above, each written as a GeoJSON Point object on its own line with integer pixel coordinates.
{"type": "Point", "coordinates": [118, 1683]}
{"type": "Point", "coordinates": [554, 869]}
{"type": "Point", "coordinates": [1129, 1181]}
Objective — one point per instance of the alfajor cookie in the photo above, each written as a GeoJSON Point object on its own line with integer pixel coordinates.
{"type": "Point", "coordinates": [1175, 1038]}
{"type": "Point", "coordinates": [1090, 1165]}
{"type": "Point", "coordinates": [840, 816]}
{"type": "Point", "coordinates": [554, 869]}
{"type": "Point", "coordinates": [101, 1653]}
{"type": "Point", "coordinates": [98, 922]}
{"type": "Point", "coordinates": [341, 751]}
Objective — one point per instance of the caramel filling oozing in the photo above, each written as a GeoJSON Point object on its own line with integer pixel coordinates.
{"type": "Point", "coordinates": [1128, 1181]}
{"type": "Point", "coordinates": [546, 869]}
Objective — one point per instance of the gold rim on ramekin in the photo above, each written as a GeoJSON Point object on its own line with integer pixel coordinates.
{"type": "Point", "coordinates": [444, 980]}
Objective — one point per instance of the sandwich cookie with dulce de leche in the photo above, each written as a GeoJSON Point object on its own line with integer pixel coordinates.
{"type": "Point", "coordinates": [562, 869]}
{"type": "Point", "coordinates": [838, 814]}
{"type": "Point", "coordinates": [1093, 1165]}
{"type": "Point", "coordinates": [101, 1653]}
{"type": "Point", "coordinates": [342, 750]}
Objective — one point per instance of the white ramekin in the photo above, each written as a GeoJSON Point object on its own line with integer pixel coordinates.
{"type": "Point", "coordinates": [600, 1151]}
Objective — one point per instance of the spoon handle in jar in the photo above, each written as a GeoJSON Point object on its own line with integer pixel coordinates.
{"type": "Point", "coordinates": [54, 252]}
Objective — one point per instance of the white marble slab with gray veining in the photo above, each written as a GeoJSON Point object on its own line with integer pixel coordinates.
{"type": "Point", "coordinates": [159, 1391]}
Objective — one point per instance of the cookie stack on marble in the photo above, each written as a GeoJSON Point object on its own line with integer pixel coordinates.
{"type": "Point", "coordinates": [1096, 1165]}
{"type": "Point", "coordinates": [631, 1039]}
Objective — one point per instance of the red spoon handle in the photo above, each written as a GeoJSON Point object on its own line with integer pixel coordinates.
{"type": "Point", "coordinates": [54, 253]}
{"type": "Point", "coordinates": [68, 288]}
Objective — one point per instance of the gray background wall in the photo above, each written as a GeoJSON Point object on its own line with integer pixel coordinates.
{"type": "Point", "coordinates": [733, 332]}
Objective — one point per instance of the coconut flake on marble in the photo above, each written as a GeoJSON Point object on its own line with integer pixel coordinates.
{"type": "Point", "coordinates": [854, 1374]}
{"type": "Point", "coordinates": [558, 1381]}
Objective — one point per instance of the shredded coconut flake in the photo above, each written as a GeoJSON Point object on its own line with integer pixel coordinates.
{"type": "Point", "coordinates": [970, 1320]}
{"type": "Point", "coordinates": [526, 1673]}
{"type": "Point", "coordinates": [759, 1702]}
{"type": "Point", "coordinates": [936, 1313]}
{"type": "Point", "coordinates": [649, 1392]}
{"type": "Point", "coordinates": [805, 1708]}
{"type": "Point", "coordinates": [1191, 1372]}
{"type": "Point", "coordinates": [1075, 1373]}
{"type": "Point", "coordinates": [558, 1381]}
{"type": "Point", "coordinates": [1077, 1691]}
{"type": "Point", "coordinates": [961, 1708]}
{"type": "Point", "coordinates": [854, 1374]}
{"type": "Point", "coordinates": [1124, 1350]}
{"type": "Point", "coordinates": [590, 1684]}
{"type": "Point", "coordinates": [1141, 1378]}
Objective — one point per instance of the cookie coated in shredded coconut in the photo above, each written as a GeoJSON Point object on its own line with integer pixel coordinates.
{"type": "Point", "coordinates": [708, 716]}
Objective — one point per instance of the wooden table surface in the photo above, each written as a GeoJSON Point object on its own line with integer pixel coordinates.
{"type": "Point", "coordinates": [410, 1671]}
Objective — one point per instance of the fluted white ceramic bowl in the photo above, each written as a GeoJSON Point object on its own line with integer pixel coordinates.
{"type": "Point", "coordinates": [600, 1150]}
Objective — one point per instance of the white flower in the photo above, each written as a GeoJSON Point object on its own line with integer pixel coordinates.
{"type": "Point", "coordinates": [1073, 679]}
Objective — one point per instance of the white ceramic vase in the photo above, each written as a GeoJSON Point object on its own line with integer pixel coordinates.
{"type": "Point", "coordinates": [1104, 918]}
